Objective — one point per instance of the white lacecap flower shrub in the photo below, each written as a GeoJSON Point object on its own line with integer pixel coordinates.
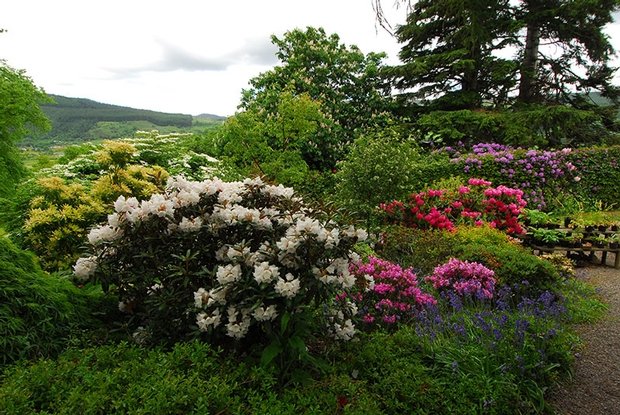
{"type": "Point", "coordinates": [224, 258]}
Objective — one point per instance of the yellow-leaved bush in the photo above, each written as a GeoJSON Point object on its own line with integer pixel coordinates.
{"type": "Point", "coordinates": [60, 216]}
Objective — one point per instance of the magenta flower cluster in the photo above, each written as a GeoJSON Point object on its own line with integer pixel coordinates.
{"type": "Point", "coordinates": [466, 279]}
{"type": "Point", "coordinates": [386, 293]}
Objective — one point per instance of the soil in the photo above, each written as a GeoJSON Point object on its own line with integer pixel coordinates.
{"type": "Point", "coordinates": [595, 385]}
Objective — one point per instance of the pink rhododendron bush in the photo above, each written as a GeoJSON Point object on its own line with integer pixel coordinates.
{"type": "Point", "coordinates": [464, 278]}
{"type": "Point", "coordinates": [224, 260]}
{"type": "Point", "coordinates": [385, 294]}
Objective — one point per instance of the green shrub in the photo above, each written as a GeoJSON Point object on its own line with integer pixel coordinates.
{"type": "Point", "coordinates": [599, 173]}
{"type": "Point", "coordinates": [241, 261]}
{"type": "Point", "coordinates": [38, 312]}
{"type": "Point", "coordinates": [383, 166]}
{"type": "Point", "coordinates": [541, 126]}
{"type": "Point", "coordinates": [409, 371]}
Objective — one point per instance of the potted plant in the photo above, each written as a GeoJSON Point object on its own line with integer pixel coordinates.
{"type": "Point", "coordinates": [599, 241]}
{"type": "Point", "coordinates": [547, 237]}
{"type": "Point", "coordinates": [574, 240]}
{"type": "Point", "coordinates": [537, 218]}
{"type": "Point", "coordinates": [614, 241]}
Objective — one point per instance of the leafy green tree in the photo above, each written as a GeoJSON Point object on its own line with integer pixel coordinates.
{"type": "Point", "coordinates": [282, 145]}
{"type": "Point", "coordinates": [450, 58]}
{"type": "Point", "coordinates": [19, 113]}
{"type": "Point", "coordinates": [347, 84]}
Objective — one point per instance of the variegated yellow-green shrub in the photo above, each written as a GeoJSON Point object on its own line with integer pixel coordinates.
{"type": "Point", "coordinates": [60, 216]}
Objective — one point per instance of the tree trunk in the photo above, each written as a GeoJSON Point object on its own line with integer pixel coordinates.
{"type": "Point", "coordinates": [527, 92]}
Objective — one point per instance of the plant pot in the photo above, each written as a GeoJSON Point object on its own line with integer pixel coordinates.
{"type": "Point", "coordinates": [589, 228]}
{"type": "Point", "coordinates": [599, 244]}
{"type": "Point", "coordinates": [567, 222]}
{"type": "Point", "coordinates": [614, 245]}
{"type": "Point", "coordinates": [614, 228]}
{"type": "Point", "coordinates": [602, 228]}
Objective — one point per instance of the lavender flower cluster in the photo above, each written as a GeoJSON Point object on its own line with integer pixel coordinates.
{"type": "Point", "coordinates": [532, 171]}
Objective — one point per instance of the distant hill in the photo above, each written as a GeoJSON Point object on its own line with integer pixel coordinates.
{"type": "Point", "coordinates": [210, 117]}
{"type": "Point", "coordinates": [79, 119]}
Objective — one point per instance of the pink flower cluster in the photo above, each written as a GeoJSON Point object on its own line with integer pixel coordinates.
{"type": "Point", "coordinates": [387, 293]}
{"type": "Point", "coordinates": [464, 278]}
{"type": "Point", "coordinates": [477, 203]}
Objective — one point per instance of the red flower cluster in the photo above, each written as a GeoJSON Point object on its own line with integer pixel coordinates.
{"type": "Point", "coordinates": [477, 204]}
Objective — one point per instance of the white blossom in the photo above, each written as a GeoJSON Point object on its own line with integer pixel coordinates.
{"type": "Point", "coordinates": [187, 198]}
{"type": "Point", "coordinates": [201, 297]}
{"type": "Point", "coordinates": [105, 233]}
{"type": "Point", "coordinates": [288, 288]}
{"type": "Point", "coordinates": [122, 205]}
{"type": "Point", "coordinates": [158, 205]}
{"type": "Point", "coordinates": [265, 273]}
{"type": "Point", "coordinates": [217, 296]}
{"type": "Point", "coordinates": [234, 328]}
{"type": "Point", "coordinates": [205, 320]}
{"type": "Point", "coordinates": [190, 225]}
{"type": "Point", "coordinates": [113, 220]}
{"type": "Point", "coordinates": [265, 314]}
{"type": "Point", "coordinates": [85, 268]}
{"type": "Point", "coordinates": [279, 191]}
{"type": "Point", "coordinates": [228, 274]}
{"type": "Point", "coordinates": [344, 331]}
{"type": "Point", "coordinates": [362, 235]}
{"type": "Point", "coordinates": [288, 244]}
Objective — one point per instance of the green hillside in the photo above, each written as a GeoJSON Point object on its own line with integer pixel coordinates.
{"type": "Point", "coordinates": [79, 119]}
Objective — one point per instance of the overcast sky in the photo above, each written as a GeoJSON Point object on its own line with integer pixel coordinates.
{"type": "Point", "coordinates": [186, 56]}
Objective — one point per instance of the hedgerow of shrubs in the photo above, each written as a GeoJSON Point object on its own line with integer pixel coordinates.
{"type": "Point", "coordinates": [567, 179]}
{"type": "Point", "coordinates": [533, 126]}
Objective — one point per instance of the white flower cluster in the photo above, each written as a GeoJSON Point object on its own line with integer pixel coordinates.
{"type": "Point", "coordinates": [85, 268]}
{"type": "Point", "coordinates": [342, 327]}
{"type": "Point", "coordinates": [271, 259]}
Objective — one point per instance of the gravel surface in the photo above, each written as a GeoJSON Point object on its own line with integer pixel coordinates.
{"type": "Point", "coordinates": [595, 386]}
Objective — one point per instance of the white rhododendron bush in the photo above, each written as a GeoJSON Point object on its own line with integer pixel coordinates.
{"type": "Point", "coordinates": [224, 260]}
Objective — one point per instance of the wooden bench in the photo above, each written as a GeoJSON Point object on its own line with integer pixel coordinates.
{"type": "Point", "coordinates": [592, 250]}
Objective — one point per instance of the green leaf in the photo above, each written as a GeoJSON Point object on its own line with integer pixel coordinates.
{"type": "Point", "coordinates": [297, 343]}
{"type": "Point", "coordinates": [270, 353]}
{"type": "Point", "coordinates": [284, 322]}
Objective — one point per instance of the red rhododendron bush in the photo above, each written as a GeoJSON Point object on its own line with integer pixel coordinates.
{"type": "Point", "coordinates": [476, 203]}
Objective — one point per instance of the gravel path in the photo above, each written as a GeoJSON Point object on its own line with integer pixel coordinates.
{"type": "Point", "coordinates": [595, 386]}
